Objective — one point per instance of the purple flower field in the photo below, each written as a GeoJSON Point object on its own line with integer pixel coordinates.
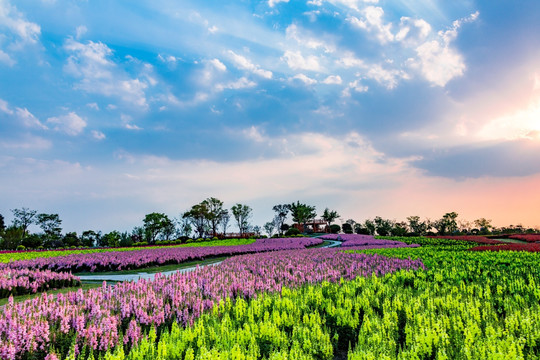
{"type": "Point", "coordinates": [358, 242]}
{"type": "Point", "coordinates": [98, 317]}
{"type": "Point", "coordinates": [127, 260]}
{"type": "Point", "coordinates": [26, 281]}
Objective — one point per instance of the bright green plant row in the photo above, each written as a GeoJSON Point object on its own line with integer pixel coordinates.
{"type": "Point", "coordinates": [464, 306]}
{"type": "Point", "coordinates": [425, 241]}
{"type": "Point", "coordinates": [15, 256]}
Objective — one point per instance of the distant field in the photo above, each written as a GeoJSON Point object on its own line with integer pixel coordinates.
{"type": "Point", "coordinates": [29, 255]}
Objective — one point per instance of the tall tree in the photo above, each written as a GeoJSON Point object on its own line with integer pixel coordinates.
{"type": "Point", "coordinates": [52, 229]}
{"type": "Point", "coordinates": [225, 218]}
{"type": "Point", "coordinates": [329, 216]}
{"type": "Point", "coordinates": [156, 224]}
{"type": "Point", "coordinates": [197, 215]}
{"type": "Point", "coordinates": [302, 213]}
{"type": "Point", "coordinates": [281, 215]}
{"type": "Point", "coordinates": [242, 214]}
{"type": "Point", "coordinates": [89, 238]}
{"type": "Point", "coordinates": [384, 226]}
{"type": "Point", "coordinates": [418, 227]}
{"type": "Point", "coordinates": [447, 224]}
{"type": "Point", "coordinates": [23, 218]}
{"type": "Point", "coordinates": [270, 226]}
{"type": "Point", "coordinates": [50, 224]}
{"type": "Point", "coordinates": [214, 215]}
{"type": "Point", "coordinates": [370, 226]}
{"type": "Point", "coordinates": [484, 225]}
{"type": "Point", "coordinates": [2, 224]}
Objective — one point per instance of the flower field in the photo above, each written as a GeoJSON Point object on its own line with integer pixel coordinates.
{"type": "Point", "coordinates": [437, 301]}
{"type": "Point", "coordinates": [472, 238]}
{"type": "Point", "coordinates": [127, 260]}
{"type": "Point", "coordinates": [25, 281]}
{"type": "Point", "coordinates": [109, 317]}
{"type": "Point", "coordinates": [365, 241]}
{"type": "Point", "coordinates": [16, 255]}
{"type": "Point", "coordinates": [526, 237]}
{"type": "Point", "coordinates": [531, 247]}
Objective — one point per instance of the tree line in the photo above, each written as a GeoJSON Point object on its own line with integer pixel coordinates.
{"type": "Point", "coordinates": [210, 219]}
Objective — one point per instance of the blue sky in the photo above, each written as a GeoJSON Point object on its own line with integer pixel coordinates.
{"type": "Point", "coordinates": [113, 109]}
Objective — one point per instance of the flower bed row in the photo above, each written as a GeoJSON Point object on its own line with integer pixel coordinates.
{"type": "Point", "coordinates": [107, 317]}
{"type": "Point", "coordinates": [526, 237]}
{"type": "Point", "coordinates": [27, 281]}
{"type": "Point", "coordinates": [472, 238]}
{"type": "Point", "coordinates": [127, 260]}
{"type": "Point", "coordinates": [365, 241]}
{"type": "Point", "coordinates": [532, 247]}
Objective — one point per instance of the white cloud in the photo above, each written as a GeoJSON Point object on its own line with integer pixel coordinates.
{"type": "Point", "coordinates": [272, 3]}
{"type": "Point", "coordinates": [71, 124]}
{"type": "Point", "coordinates": [213, 29]}
{"type": "Point", "coordinates": [28, 119]}
{"type": "Point", "coordinates": [27, 142]}
{"type": "Point", "coordinates": [387, 78]}
{"type": "Point", "coordinates": [241, 83]}
{"type": "Point", "coordinates": [98, 135]}
{"type": "Point", "coordinates": [349, 61]}
{"type": "Point", "coordinates": [373, 22]}
{"type": "Point", "coordinates": [296, 61]}
{"type": "Point", "coordinates": [4, 107]}
{"type": "Point", "coordinates": [293, 32]}
{"type": "Point", "coordinates": [333, 80]}
{"type": "Point", "coordinates": [6, 59]}
{"type": "Point", "coordinates": [437, 60]}
{"type": "Point", "coordinates": [22, 32]}
{"type": "Point", "coordinates": [243, 63]}
{"type": "Point", "coordinates": [13, 20]}
{"type": "Point", "coordinates": [100, 75]}
{"type": "Point", "coordinates": [80, 31]}
{"type": "Point", "coordinates": [305, 79]}
{"type": "Point", "coordinates": [218, 65]}
{"type": "Point", "coordinates": [412, 31]}
{"type": "Point", "coordinates": [93, 106]}
{"type": "Point", "coordinates": [439, 63]}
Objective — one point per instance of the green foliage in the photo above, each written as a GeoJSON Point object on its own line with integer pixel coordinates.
{"type": "Point", "coordinates": [465, 305]}
{"type": "Point", "coordinates": [302, 213]}
{"type": "Point", "coordinates": [347, 228]}
{"type": "Point", "coordinates": [292, 232]}
{"type": "Point", "coordinates": [335, 228]}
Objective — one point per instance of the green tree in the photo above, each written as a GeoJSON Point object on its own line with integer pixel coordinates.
{"type": "Point", "coordinates": [225, 218]}
{"type": "Point", "coordinates": [347, 228]}
{"type": "Point", "coordinates": [197, 215]}
{"type": "Point", "coordinates": [302, 213]}
{"type": "Point", "coordinates": [329, 216]}
{"type": "Point", "coordinates": [242, 214]}
{"type": "Point", "coordinates": [156, 224]}
{"type": "Point", "coordinates": [214, 213]}
{"type": "Point", "coordinates": [335, 228]}
{"type": "Point", "coordinates": [90, 238]}
{"type": "Point", "coordinates": [111, 239]}
{"type": "Point", "coordinates": [383, 226]}
{"type": "Point", "coordinates": [52, 229]}
{"type": "Point", "coordinates": [33, 241]}
{"type": "Point", "coordinates": [2, 224]}
{"type": "Point", "coordinates": [447, 224]}
{"type": "Point", "coordinates": [484, 225]}
{"type": "Point", "coordinates": [269, 227]}
{"type": "Point", "coordinates": [418, 227]}
{"type": "Point", "coordinates": [12, 237]}
{"type": "Point", "coordinates": [282, 211]}
{"type": "Point", "coordinates": [71, 239]}
{"type": "Point", "coordinates": [23, 218]}
{"type": "Point", "coordinates": [370, 226]}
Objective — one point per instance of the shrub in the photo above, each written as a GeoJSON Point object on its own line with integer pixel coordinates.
{"type": "Point", "coordinates": [335, 228]}
{"type": "Point", "coordinates": [21, 247]}
{"type": "Point", "coordinates": [292, 232]}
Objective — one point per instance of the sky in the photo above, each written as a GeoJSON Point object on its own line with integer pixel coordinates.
{"type": "Point", "coordinates": [110, 110]}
